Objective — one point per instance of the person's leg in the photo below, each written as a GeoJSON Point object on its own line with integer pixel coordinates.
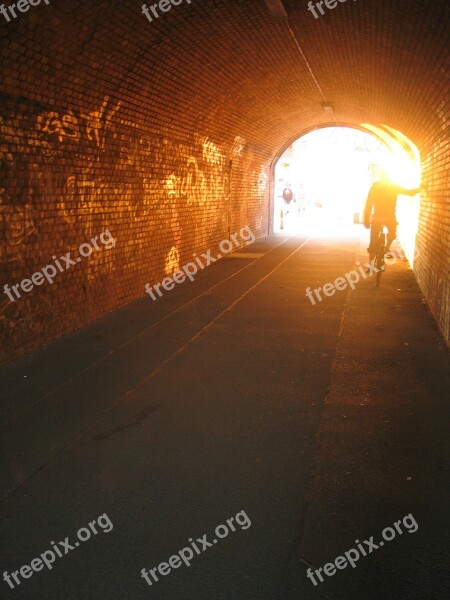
{"type": "Point", "coordinates": [392, 234]}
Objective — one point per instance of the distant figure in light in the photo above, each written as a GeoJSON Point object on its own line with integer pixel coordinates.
{"type": "Point", "coordinates": [288, 194]}
{"type": "Point", "coordinates": [380, 210]}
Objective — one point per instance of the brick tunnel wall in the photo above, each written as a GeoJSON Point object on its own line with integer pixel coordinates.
{"type": "Point", "coordinates": [76, 164]}
{"type": "Point", "coordinates": [163, 133]}
{"type": "Point", "coordinates": [432, 268]}
{"type": "Point", "coordinates": [68, 175]}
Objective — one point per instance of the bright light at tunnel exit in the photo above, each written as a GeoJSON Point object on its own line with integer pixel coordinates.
{"type": "Point", "coordinates": [330, 171]}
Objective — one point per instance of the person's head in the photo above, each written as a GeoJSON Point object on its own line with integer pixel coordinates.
{"type": "Point", "coordinates": [384, 176]}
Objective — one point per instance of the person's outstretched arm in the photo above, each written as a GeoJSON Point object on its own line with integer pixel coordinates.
{"type": "Point", "coordinates": [407, 192]}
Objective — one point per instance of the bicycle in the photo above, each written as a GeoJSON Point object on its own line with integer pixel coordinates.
{"type": "Point", "coordinates": [379, 264]}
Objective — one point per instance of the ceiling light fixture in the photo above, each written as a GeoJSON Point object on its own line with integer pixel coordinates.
{"type": "Point", "coordinates": [328, 108]}
{"type": "Point", "coordinates": [276, 8]}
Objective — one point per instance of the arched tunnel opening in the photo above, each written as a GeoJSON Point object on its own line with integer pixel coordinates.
{"type": "Point", "coordinates": [197, 332]}
{"type": "Point", "coordinates": [321, 180]}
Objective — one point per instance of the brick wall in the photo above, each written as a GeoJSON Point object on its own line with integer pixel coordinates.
{"type": "Point", "coordinates": [164, 132]}
{"type": "Point", "coordinates": [70, 174]}
{"type": "Point", "coordinates": [432, 268]}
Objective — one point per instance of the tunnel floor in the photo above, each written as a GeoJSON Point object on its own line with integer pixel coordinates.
{"type": "Point", "coordinates": [313, 425]}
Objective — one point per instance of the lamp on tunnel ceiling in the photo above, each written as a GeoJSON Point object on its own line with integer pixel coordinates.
{"type": "Point", "coordinates": [328, 109]}
{"type": "Point", "coordinates": [276, 8]}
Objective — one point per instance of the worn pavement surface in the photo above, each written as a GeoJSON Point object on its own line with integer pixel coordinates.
{"type": "Point", "coordinates": [324, 423]}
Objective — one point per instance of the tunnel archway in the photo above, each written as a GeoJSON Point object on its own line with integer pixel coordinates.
{"type": "Point", "coordinates": [402, 162]}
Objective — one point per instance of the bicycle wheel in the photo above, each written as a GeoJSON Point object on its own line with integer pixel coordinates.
{"type": "Point", "coordinates": [379, 259]}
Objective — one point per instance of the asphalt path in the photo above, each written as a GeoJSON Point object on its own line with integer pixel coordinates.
{"type": "Point", "coordinates": [233, 401]}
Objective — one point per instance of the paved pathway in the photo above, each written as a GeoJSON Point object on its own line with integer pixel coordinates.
{"type": "Point", "coordinates": [234, 396]}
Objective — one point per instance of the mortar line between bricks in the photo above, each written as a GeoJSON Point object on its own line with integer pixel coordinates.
{"type": "Point", "coordinates": [302, 54]}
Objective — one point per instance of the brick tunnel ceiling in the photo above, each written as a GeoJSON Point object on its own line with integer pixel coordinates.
{"type": "Point", "coordinates": [231, 68]}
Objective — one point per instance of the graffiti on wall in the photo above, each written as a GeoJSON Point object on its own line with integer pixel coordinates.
{"type": "Point", "coordinates": [69, 126]}
{"type": "Point", "coordinates": [237, 147]}
{"type": "Point", "coordinates": [65, 174]}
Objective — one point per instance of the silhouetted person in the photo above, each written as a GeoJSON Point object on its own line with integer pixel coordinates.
{"type": "Point", "coordinates": [381, 206]}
